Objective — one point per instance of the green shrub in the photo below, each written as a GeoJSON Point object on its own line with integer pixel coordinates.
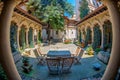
{"type": "Point", "coordinates": [2, 74]}
{"type": "Point", "coordinates": [89, 50]}
{"type": "Point", "coordinates": [31, 44]}
{"type": "Point", "coordinates": [97, 50]}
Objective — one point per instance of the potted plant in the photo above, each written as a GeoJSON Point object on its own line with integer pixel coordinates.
{"type": "Point", "coordinates": [25, 61]}
{"type": "Point", "coordinates": [27, 68]}
{"type": "Point", "coordinates": [97, 50]}
{"type": "Point", "coordinates": [89, 50]}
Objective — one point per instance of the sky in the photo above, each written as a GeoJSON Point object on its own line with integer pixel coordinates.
{"type": "Point", "coordinates": [73, 3]}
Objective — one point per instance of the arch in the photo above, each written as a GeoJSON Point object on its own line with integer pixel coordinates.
{"type": "Point", "coordinates": [82, 27]}
{"type": "Point", "coordinates": [15, 21]}
{"type": "Point", "coordinates": [107, 34]}
{"type": "Point", "coordinates": [13, 36]}
{"type": "Point", "coordinates": [88, 25]}
{"type": "Point", "coordinates": [24, 23]}
{"type": "Point", "coordinates": [96, 22]}
{"type": "Point", "coordinates": [31, 25]}
{"type": "Point", "coordinates": [106, 18]}
{"type": "Point", "coordinates": [30, 37]}
{"type": "Point", "coordinates": [97, 36]}
{"type": "Point", "coordinates": [22, 38]}
{"type": "Point", "coordinates": [88, 38]}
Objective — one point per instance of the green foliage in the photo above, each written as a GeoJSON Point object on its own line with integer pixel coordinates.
{"type": "Point", "coordinates": [31, 44]}
{"type": "Point", "coordinates": [2, 74]}
{"type": "Point", "coordinates": [50, 11]}
{"type": "Point", "coordinates": [88, 36]}
{"type": "Point", "coordinates": [30, 38]}
{"type": "Point", "coordinates": [107, 46]}
{"type": "Point", "coordinates": [22, 38]}
{"type": "Point", "coordinates": [107, 35]}
{"type": "Point", "coordinates": [80, 36]}
{"type": "Point", "coordinates": [89, 50]}
{"type": "Point", "coordinates": [39, 37]}
{"type": "Point", "coordinates": [84, 9]}
{"type": "Point", "coordinates": [97, 50]}
{"type": "Point", "coordinates": [97, 37]}
{"type": "Point", "coordinates": [13, 37]}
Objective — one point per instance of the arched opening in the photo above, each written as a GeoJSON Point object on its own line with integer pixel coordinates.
{"type": "Point", "coordinates": [39, 37]}
{"type": "Point", "coordinates": [84, 35]}
{"type": "Point", "coordinates": [80, 36]}
{"type": "Point", "coordinates": [83, 38]}
{"type": "Point", "coordinates": [13, 37]}
{"type": "Point", "coordinates": [97, 37]}
{"type": "Point", "coordinates": [30, 37]}
{"type": "Point", "coordinates": [88, 39]}
{"type": "Point", "coordinates": [22, 39]}
{"type": "Point", "coordinates": [107, 32]}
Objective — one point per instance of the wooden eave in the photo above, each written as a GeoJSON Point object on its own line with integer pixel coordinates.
{"type": "Point", "coordinates": [26, 14]}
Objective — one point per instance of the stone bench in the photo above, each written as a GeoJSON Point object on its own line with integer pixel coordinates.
{"type": "Point", "coordinates": [103, 56]}
{"type": "Point", "coordinates": [17, 57]}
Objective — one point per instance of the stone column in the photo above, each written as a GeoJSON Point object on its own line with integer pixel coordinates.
{"type": "Point", "coordinates": [78, 34]}
{"type": "Point", "coordinates": [6, 58]}
{"type": "Point", "coordinates": [102, 37]}
{"type": "Point", "coordinates": [33, 37]}
{"type": "Point", "coordinates": [37, 31]}
{"type": "Point", "coordinates": [114, 62]}
{"type": "Point", "coordinates": [18, 33]}
{"type": "Point", "coordinates": [82, 35]}
{"type": "Point", "coordinates": [92, 31]}
{"type": "Point", "coordinates": [26, 31]}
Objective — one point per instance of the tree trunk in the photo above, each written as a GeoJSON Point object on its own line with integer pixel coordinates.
{"type": "Point", "coordinates": [114, 62]}
{"type": "Point", "coordinates": [6, 58]}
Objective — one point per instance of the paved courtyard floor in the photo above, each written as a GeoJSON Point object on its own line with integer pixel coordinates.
{"type": "Point", "coordinates": [78, 71]}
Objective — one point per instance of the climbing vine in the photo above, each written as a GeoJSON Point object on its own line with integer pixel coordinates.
{"type": "Point", "coordinates": [39, 37]}
{"type": "Point", "coordinates": [88, 36]}
{"type": "Point", "coordinates": [107, 30]}
{"type": "Point", "coordinates": [13, 37]}
{"type": "Point", "coordinates": [2, 74]}
{"type": "Point", "coordinates": [30, 38]}
{"type": "Point", "coordinates": [97, 37]}
{"type": "Point", "coordinates": [22, 39]}
{"type": "Point", "coordinates": [80, 36]}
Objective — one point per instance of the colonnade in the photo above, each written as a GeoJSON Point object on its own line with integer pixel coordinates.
{"type": "Point", "coordinates": [96, 29]}
{"type": "Point", "coordinates": [6, 58]}
{"type": "Point", "coordinates": [29, 34]}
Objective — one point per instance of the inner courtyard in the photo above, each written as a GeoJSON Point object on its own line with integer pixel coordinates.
{"type": "Point", "coordinates": [27, 42]}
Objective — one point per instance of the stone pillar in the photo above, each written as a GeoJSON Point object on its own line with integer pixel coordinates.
{"type": "Point", "coordinates": [37, 31]}
{"type": "Point", "coordinates": [18, 33]}
{"type": "Point", "coordinates": [33, 38]}
{"type": "Point", "coordinates": [81, 35]}
{"type": "Point", "coordinates": [114, 62]}
{"type": "Point", "coordinates": [92, 31]}
{"type": "Point", "coordinates": [102, 37]}
{"type": "Point", "coordinates": [6, 58]}
{"type": "Point", "coordinates": [26, 31]}
{"type": "Point", "coordinates": [78, 34]}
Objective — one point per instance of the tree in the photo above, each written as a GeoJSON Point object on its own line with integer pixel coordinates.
{"type": "Point", "coordinates": [50, 12]}
{"type": "Point", "coordinates": [84, 9]}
